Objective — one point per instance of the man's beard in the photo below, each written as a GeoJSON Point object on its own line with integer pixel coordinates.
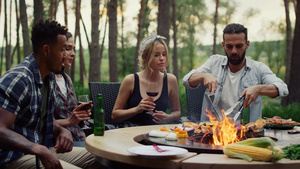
{"type": "Point", "coordinates": [236, 61]}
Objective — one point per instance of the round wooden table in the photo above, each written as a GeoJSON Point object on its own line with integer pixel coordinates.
{"type": "Point", "coordinates": [111, 150]}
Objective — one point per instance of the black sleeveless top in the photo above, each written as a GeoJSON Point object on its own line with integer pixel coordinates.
{"type": "Point", "coordinates": [135, 98]}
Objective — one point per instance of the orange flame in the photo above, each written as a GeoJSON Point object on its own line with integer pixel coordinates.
{"type": "Point", "coordinates": [224, 131]}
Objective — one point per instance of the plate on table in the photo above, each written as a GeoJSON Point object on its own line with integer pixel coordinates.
{"type": "Point", "coordinates": [149, 151]}
{"type": "Point", "coordinates": [280, 126]}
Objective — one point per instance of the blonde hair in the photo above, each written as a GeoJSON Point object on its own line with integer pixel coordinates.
{"type": "Point", "coordinates": [147, 52]}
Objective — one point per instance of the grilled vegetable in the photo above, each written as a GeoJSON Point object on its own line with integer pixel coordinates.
{"type": "Point", "coordinates": [261, 149]}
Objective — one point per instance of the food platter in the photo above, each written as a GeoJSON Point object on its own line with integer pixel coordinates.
{"type": "Point", "coordinates": [280, 123]}
{"type": "Point", "coordinates": [279, 126]}
{"type": "Point", "coordinates": [185, 143]}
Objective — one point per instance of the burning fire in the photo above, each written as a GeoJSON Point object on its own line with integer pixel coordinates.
{"type": "Point", "coordinates": [224, 131]}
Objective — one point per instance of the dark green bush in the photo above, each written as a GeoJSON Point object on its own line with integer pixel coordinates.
{"type": "Point", "coordinates": [274, 109]}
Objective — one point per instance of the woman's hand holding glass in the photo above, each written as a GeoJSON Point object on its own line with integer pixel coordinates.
{"type": "Point", "coordinates": [83, 110]}
{"type": "Point", "coordinates": [146, 104]}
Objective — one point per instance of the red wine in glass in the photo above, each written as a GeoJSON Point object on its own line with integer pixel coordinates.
{"type": "Point", "coordinates": [152, 94]}
{"type": "Point", "coordinates": [152, 91]}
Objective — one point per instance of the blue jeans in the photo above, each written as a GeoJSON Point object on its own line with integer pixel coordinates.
{"type": "Point", "coordinates": [79, 143]}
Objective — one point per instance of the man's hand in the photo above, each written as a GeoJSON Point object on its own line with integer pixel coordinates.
{"type": "Point", "coordinates": [47, 158]}
{"type": "Point", "coordinates": [210, 82]}
{"type": "Point", "coordinates": [251, 94]}
{"type": "Point", "coordinates": [64, 141]}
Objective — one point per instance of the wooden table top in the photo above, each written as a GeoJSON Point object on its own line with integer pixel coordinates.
{"type": "Point", "coordinates": [114, 144]}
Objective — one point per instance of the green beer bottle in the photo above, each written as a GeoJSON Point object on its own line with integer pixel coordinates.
{"type": "Point", "coordinates": [99, 123]}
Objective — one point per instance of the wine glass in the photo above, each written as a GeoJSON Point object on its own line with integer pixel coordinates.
{"type": "Point", "coordinates": [152, 91]}
{"type": "Point", "coordinates": [83, 99]}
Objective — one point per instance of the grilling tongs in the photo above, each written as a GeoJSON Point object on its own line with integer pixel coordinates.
{"type": "Point", "coordinates": [230, 110]}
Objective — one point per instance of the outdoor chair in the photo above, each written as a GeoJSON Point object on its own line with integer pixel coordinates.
{"type": "Point", "coordinates": [109, 93]}
{"type": "Point", "coordinates": [194, 99]}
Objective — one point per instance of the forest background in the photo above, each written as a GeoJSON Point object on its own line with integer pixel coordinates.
{"type": "Point", "coordinates": [107, 41]}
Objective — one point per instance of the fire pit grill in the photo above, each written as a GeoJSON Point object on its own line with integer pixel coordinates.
{"type": "Point", "coordinates": [193, 142]}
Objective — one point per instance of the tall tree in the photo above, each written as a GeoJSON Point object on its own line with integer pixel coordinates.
{"type": "Point", "coordinates": [294, 79]}
{"type": "Point", "coordinates": [17, 30]}
{"type": "Point", "coordinates": [52, 9]}
{"type": "Point", "coordinates": [288, 46]}
{"type": "Point", "coordinates": [163, 19]}
{"type": "Point", "coordinates": [113, 32]}
{"type": "Point", "coordinates": [25, 32]}
{"type": "Point", "coordinates": [8, 40]}
{"type": "Point", "coordinates": [95, 61]}
{"type": "Point", "coordinates": [66, 12]}
{"type": "Point", "coordinates": [215, 28]}
{"type": "Point", "coordinates": [104, 34]}
{"type": "Point", "coordinates": [5, 34]}
{"type": "Point", "coordinates": [174, 58]}
{"type": "Point", "coordinates": [123, 68]}
{"type": "Point", "coordinates": [38, 10]}
{"type": "Point", "coordinates": [289, 39]}
{"type": "Point", "coordinates": [139, 35]}
{"type": "Point", "coordinates": [77, 34]}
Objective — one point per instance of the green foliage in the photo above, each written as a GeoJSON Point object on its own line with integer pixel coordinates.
{"type": "Point", "coordinates": [275, 109]}
{"type": "Point", "coordinates": [182, 99]}
{"type": "Point", "coordinates": [126, 61]}
{"type": "Point", "coordinates": [80, 90]}
{"type": "Point", "coordinates": [292, 151]}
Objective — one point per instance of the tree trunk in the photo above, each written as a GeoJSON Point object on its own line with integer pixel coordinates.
{"type": "Point", "coordinates": [8, 40]}
{"type": "Point", "coordinates": [66, 12]}
{"type": "Point", "coordinates": [288, 47]}
{"type": "Point", "coordinates": [102, 44]}
{"type": "Point", "coordinates": [215, 28]}
{"type": "Point", "coordinates": [139, 36]}
{"type": "Point", "coordinates": [38, 10]}
{"type": "Point", "coordinates": [17, 30]}
{"type": "Point", "coordinates": [123, 68]}
{"type": "Point", "coordinates": [67, 70]}
{"type": "Point", "coordinates": [23, 17]}
{"type": "Point", "coordinates": [52, 9]}
{"type": "Point", "coordinates": [5, 33]}
{"type": "Point", "coordinates": [95, 62]}
{"type": "Point", "coordinates": [163, 19]}
{"type": "Point", "coordinates": [113, 32]}
{"type": "Point", "coordinates": [7, 45]}
{"type": "Point", "coordinates": [175, 59]}
{"type": "Point", "coordinates": [77, 33]}
{"type": "Point", "coordinates": [294, 81]}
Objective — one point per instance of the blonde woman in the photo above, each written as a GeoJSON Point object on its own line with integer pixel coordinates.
{"type": "Point", "coordinates": [153, 62]}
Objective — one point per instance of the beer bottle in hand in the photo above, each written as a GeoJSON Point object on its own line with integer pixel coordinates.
{"type": "Point", "coordinates": [99, 124]}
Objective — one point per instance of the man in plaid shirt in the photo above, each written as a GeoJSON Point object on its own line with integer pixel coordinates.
{"type": "Point", "coordinates": [27, 127]}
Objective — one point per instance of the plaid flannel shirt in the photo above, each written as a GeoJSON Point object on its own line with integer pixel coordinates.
{"type": "Point", "coordinates": [20, 94]}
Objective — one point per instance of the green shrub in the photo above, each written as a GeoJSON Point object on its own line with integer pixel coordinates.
{"type": "Point", "coordinates": [274, 109]}
{"type": "Point", "coordinates": [80, 90]}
